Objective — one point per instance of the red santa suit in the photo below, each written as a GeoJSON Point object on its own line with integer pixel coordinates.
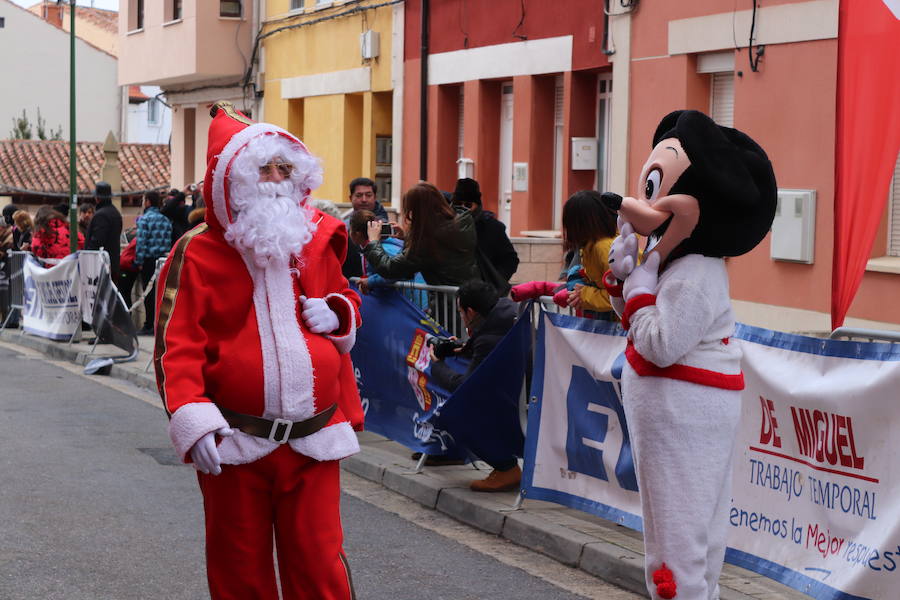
{"type": "Point", "coordinates": [230, 337]}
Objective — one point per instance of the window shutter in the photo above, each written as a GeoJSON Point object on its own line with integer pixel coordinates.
{"type": "Point", "coordinates": [558, 105]}
{"type": "Point", "coordinates": [721, 104]}
{"type": "Point", "coordinates": [894, 233]}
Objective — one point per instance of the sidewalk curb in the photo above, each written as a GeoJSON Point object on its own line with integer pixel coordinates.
{"type": "Point", "coordinates": [445, 489]}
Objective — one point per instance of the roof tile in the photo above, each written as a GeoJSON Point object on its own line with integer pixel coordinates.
{"type": "Point", "coordinates": [43, 166]}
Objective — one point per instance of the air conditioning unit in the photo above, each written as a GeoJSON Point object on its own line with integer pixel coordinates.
{"type": "Point", "coordinates": [794, 227]}
{"type": "Point", "coordinates": [369, 42]}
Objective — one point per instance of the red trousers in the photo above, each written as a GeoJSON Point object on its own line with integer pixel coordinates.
{"type": "Point", "coordinates": [291, 496]}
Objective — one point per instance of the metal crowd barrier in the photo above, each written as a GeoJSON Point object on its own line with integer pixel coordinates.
{"type": "Point", "coordinates": [158, 267]}
{"type": "Point", "coordinates": [440, 303]}
{"type": "Point", "coordinates": [150, 284]}
{"type": "Point", "coordinates": [547, 303]}
{"type": "Point", "coordinates": [16, 260]}
{"type": "Point", "coordinates": [871, 335]}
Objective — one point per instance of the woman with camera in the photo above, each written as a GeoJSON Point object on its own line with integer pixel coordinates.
{"type": "Point", "coordinates": [440, 241]}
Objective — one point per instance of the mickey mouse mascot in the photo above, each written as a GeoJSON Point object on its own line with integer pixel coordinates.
{"type": "Point", "coordinates": [705, 193]}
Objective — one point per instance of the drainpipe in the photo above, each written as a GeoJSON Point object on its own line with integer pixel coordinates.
{"type": "Point", "coordinates": [423, 96]}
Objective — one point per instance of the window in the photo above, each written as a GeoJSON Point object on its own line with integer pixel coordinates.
{"type": "Point", "coordinates": [229, 8]}
{"type": "Point", "coordinates": [721, 99]}
{"type": "Point", "coordinates": [135, 15]}
{"type": "Point", "coordinates": [296, 4]}
{"type": "Point", "coordinates": [383, 150]}
{"type": "Point", "coordinates": [173, 10]}
{"type": "Point", "coordinates": [153, 111]}
{"type": "Point", "coordinates": [894, 215]}
{"type": "Point", "coordinates": [720, 67]}
{"type": "Point", "coordinates": [2, 22]}
{"type": "Point", "coordinates": [604, 109]}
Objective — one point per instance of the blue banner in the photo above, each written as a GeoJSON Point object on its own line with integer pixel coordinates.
{"type": "Point", "coordinates": [403, 403]}
{"type": "Point", "coordinates": [483, 413]}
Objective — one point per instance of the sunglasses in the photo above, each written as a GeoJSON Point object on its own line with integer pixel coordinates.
{"type": "Point", "coordinates": [283, 168]}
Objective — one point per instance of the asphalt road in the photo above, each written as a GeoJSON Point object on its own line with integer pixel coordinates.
{"type": "Point", "coordinates": [94, 505]}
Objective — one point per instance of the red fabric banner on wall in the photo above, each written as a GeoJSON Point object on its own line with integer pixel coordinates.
{"type": "Point", "coordinates": [868, 137]}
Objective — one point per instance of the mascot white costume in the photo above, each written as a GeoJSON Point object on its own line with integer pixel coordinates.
{"type": "Point", "coordinates": [706, 192]}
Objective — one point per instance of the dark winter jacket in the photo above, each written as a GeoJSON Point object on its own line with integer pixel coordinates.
{"type": "Point", "coordinates": [454, 265]}
{"type": "Point", "coordinates": [177, 213]}
{"type": "Point", "coordinates": [353, 263]}
{"type": "Point", "coordinates": [494, 244]}
{"type": "Point", "coordinates": [20, 238]}
{"type": "Point", "coordinates": [483, 341]}
{"type": "Point", "coordinates": [105, 232]}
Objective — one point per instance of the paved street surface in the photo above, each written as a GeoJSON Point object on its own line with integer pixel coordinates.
{"type": "Point", "coordinates": [94, 505]}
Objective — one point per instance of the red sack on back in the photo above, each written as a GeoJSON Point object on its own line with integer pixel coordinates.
{"type": "Point", "coordinates": [126, 259]}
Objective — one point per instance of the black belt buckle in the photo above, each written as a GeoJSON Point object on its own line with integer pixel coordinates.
{"type": "Point", "coordinates": [276, 425]}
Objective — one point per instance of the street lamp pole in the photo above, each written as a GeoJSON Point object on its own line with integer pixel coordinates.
{"type": "Point", "coordinates": [73, 184]}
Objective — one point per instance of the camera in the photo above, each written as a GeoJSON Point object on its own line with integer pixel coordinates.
{"type": "Point", "coordinates": [387, 230]}
{"type": "Point", "coordinates": [444, 346]}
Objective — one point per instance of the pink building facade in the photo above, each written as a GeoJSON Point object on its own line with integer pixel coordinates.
{"type": "Point", "coordinates": [540, 103]}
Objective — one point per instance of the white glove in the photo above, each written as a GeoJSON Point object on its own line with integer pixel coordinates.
{"type": "Point", "coordinates": [643, 278]}
{"type": "Point", "coordinates": [205, 454]}
{"type": "Point", "coordinates": [318, 316]}
{"type": "Point", "coordinates": [623, 252]}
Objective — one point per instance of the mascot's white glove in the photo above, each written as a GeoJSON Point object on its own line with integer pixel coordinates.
{"type": "Point", "coordinates": [205, 454]}
{"type": "Point", "coordinates": [623, 252]}
{"type": "Point", "coordinates": [318, 316]}
{"type": "Point", "coordinates": [643, 278]}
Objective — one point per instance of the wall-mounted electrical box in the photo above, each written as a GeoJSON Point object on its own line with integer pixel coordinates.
{"type": "Point", "coordinates": [465, 168]}
{"type": "Point", "coordinates": [794, 227]}
{"type": "Point", "coordinates": [584, 154]}
{"type": "Point", "coordinates": [520, 177]}
{"type": "Point", "coordinates": [369, 42]}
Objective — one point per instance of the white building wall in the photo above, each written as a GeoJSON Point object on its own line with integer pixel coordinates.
{"type": "Point", "coordinates": [140, 129]}
{"type": "Point", "coordinates": [34, 73]}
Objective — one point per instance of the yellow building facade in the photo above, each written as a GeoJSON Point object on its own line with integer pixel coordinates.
{"type": "Point", "coordinates": [328, 71]}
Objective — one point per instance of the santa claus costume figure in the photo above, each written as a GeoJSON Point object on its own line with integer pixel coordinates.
{"type": "Point", "coordinates": [255, 323]}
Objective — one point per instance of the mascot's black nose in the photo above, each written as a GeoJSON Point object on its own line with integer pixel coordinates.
{"type": "Point", "coordinates": [612, 201]}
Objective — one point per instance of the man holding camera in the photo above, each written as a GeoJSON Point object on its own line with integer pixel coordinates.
{"type": "Point", "coordinates": [487, 318]}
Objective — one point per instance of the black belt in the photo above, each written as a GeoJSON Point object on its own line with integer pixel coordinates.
{"type": "Point", "coordinates": [279, 430]}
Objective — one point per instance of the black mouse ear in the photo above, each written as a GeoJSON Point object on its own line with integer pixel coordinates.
{"type": "Point", "coordinates": [666, 126]}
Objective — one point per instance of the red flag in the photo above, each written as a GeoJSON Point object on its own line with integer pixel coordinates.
{"type": "Point", "coordinates": [868, 137]}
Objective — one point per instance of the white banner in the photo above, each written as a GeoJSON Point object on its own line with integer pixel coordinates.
{"type": "Point", "coordinates": [813, 499]}
{"type": "Point", "coordinates": [52, 299]}
{"type": "Point", "coordinates": [91, 265]}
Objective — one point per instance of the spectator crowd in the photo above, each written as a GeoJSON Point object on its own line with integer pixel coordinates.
{"type": "Point", "coordinates": [132, 253]}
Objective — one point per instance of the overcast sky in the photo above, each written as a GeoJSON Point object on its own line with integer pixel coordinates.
{"type": "Point", "coordinates": [107, 4]}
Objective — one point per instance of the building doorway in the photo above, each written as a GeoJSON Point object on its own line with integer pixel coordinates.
{"type": "Point", "coordinates": [504, 207]}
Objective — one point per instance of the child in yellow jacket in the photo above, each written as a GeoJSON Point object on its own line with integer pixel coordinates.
{"type": "Point", "coordinates": [590, 227]}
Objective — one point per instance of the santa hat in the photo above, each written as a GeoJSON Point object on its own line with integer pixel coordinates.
{"type": "Point", "coordinates": [227, 122]}
{"type": "Point", "coordinates": [229, 133]}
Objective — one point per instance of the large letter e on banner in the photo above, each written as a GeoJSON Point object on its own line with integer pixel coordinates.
{"type": "Point", "coordinates": [590, 404]}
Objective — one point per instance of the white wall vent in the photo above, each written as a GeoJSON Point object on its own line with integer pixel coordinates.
{"type": "Point", "coordinates": [794, 227]}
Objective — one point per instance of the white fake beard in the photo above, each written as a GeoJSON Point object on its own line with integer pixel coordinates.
{"type": "Point", "coordinates": [271, 227]}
